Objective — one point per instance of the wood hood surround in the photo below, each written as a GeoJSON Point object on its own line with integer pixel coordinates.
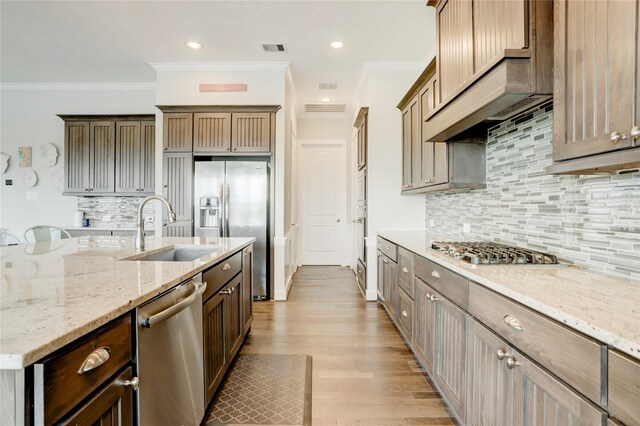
{"type": "Point", "coordinates": [494, 60]}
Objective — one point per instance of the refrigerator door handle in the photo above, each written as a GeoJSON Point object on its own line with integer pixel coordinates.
{"type": "Point", "coordinates": [226, 211]}
{"type": "Point", "coordinates": [221, 213]}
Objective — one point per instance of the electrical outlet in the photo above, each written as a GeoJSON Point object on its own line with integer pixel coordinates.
{"type": "Point", "coordinates": [432, 223]}
{"type": "Point", "coordinates": [149, 219]}
{"type": "Point", "coordinates": [466, 227]}
{"type": "Point", "coordinates": [106, 218]}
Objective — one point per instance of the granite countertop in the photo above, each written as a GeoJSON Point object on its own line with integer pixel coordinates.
{"type": "Point", "coordinates": [604, 307]}
{"type": "Point", "coordinates": [54, 292]}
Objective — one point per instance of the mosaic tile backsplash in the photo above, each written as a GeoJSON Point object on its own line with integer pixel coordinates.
{"type": "Point", "coordinates": [590, 220]}
{"type": "Point", "coordinates": [123, 211]}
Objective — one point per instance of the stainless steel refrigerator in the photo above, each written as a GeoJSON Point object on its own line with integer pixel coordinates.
{"type": "Point", "coordinates": [231, 199]}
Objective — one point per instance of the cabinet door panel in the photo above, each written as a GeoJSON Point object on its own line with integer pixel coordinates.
{"type": "Point", "coordinates": [380, 286]}
{"type": "Point", "coordinates": [112, 406]}
{"type": "Point", "coordinates": [147, 180]}
{"type": "Point", "coordinates": [425, 318]}
{"type": "Point", "coordinates": [594, 76]}
{"type": "Point", "coordinates": [102, 156]}
{"type": "Point", "coordinates": [441, 163]}
{"type": "Point", "coordinates": [251, 132]}
{"type": "Point", "coordinates": [212, 132]}
{"type": "Point", "coordinates": [76, 156]}
{"type": "Point", "coordinates": [234, 325]}
{"type": "Point", "coordinates": [178, 131]}
{"type": "Point", "coordinates": [451, 341]}
{"type": "Point", "coordinates": [455, 53]}
{"type": "Point", "coordinates": [391, 278]}
{"type": "Point", "coordinates": [215, 354]}
{"type": "Point", "coordinates": [547, 401]}
{"type": "Point", "coordinates": [181, 228]}
{"type": "Point", "coordinates": [247, 287]}
{"type": "Point", "coordinates": [178, 176]}
{"type": "Point", "coordinates": [497, 26]}
{"type": "Point", "coordinates": [406, 149]}
{"type": "Point", "coordinates": [416, 144]}
{"type": "Point", "coordinates": [127, 156]}
{"type": "Point", "coordinates": [491, 384]}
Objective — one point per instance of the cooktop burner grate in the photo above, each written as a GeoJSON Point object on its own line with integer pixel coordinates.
{"type": "Point", "coordinates": [478, 253]}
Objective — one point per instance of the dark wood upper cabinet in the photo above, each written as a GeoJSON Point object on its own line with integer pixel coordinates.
{"type": "Point", "coordinates": [250, 132]}
{"type": "Point", "coordinates": [219, 129]}
{"type": "Point", "coordinates": [177, 132]}
{"type": "Point", "coordinates": [135, 157]}
{"type": "Point", "coordinates": [212, 132]}
{"type": "Point", "coordinates": [109, 154]}
{"type": "Point", "coordinates": [494, 60]}
{"type": "Point", "coordinates": [361, 124]}
{"type": "Point", "coordinates": [596, 97]}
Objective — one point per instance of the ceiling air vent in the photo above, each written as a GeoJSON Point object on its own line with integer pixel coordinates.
{"type": "Point", "coordinates": [328, 85]}
{"type": "Point", "coordinates": [274, 47]}
{"type": "Point", "coordinates": [324, 107]}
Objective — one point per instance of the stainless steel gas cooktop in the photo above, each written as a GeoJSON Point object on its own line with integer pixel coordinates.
{"type": "Point", "coordinates": [478, 253]}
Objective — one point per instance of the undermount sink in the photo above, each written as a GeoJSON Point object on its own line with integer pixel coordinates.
{"type": "Point", "coordinates": [175, 255]}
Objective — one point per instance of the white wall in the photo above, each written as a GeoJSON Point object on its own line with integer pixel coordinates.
{"type": "Point", "coordinates": [387, 209]}
{"type": "Point", "coordinates": [178, 84]}
{"type": "Point", "coordinates": [321, 128]}
{"type": "Point", "coordinates": [28, 118]}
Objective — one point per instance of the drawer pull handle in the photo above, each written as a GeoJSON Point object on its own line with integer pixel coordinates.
{"type": "Point", "coordinates": [95, 360]}
{"type": "Point", "coordinates": [404, 314]}
{"type": "Point", "coordinates": [385, 260]}
{"type": "Point", "coordinates": [513, 322]}
{"type": "Point", "coordinates": [227, 291]}
{"type": "Point", "coordinates": [501, 354]}
{"type": "Point", "coordinates": [435, 274]}
{"type": "Point", "coordinates": [133, 383]}
{"type": "Point", "coordinates": [226, 267]}
{"type": "Point", "coordinates": [512, 363]}
{"type": "Point", "coordinates": [433, 298]}
{"type": "Point", "coordinates": [405, 270]}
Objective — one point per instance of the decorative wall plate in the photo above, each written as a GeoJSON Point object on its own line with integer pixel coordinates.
{"type": "Point", "coordinates": [47, 154]}
{"type": "Point", "coordinates": [4, 162]}
{"type": "Point", "coordinates": [30, 178]}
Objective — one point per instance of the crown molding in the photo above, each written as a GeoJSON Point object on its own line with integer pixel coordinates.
{"type": "Point", "coordinates": [76, 86]}
{"type": "Point", "coordinates": [219, 66]}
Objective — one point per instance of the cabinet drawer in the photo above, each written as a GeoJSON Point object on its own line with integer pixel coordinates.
{"type": "Point", "coordinates": [388, 248]}
{"type": "Point", "coordinates": [405, 314]}
{"type": "Point", "coordinates": [450, 285]}
{"type": "Point", "coordinates": [59, 385]}
{"type": "Point", "coordinates": [405, 271]}
{"type": "Point", "coordinates": [219, 275]}
{"type": "Point", "coordinates": [572, 357]}
{"type": "Point", "coordinates": [624, 388]}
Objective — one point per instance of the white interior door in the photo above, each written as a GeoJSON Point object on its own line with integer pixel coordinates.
{"type": "Point", "coordinates": [323, 202]}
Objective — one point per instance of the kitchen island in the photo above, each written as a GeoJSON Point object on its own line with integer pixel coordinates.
{"type": "Point", "coordinates": [56, 294]}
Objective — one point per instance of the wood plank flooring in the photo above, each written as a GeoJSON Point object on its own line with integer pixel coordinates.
{"type": "Point", "coordinates": [363, 373]}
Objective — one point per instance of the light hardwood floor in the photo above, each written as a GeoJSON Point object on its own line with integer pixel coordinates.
{"type": "Point", "coordinates": [363, 373]}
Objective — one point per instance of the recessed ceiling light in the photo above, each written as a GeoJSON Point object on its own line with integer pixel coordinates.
{"type": "Point", "coordinates": [337, 44]}
{"type": "Point", "coordinates": [325, 99]}
{"type": "Point", "coordinates": [194, 45]}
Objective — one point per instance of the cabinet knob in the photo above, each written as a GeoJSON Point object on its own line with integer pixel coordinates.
{"type": "Point", "coordinates": [405, 270]}
{"type": "Point", "coordinates": [226, 267]}
{"type": "Point", "coordinates": [427, 181]}
{"type": "Point", "coordinates": [512, 363]}
{"type": "Point", "coordinates": [404, 314]}
{"type": "Point", "coordinates": [435, 274]}
{"type": "Point", "coordinates": [635, 132]}
{"type": "Point", "coordinates": [235, 149]}
{"type": "Point", "coordinates": [165, 148]}
{"type": "Point", "coordinates": [512, 322]}
{"type": "Point", "coordinates": [133, 383]}
{"type": "Point", "coordinates": [405, 186]}
{"type": "Point", "coordinates": [501, 354]}
{"type": "Point", "coordinates": [617, 137]}
{"type": "Point", "coordinates": [433, 298]}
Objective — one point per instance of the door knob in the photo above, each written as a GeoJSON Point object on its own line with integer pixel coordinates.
{"type": "Point", "coordinates": [337, 220]}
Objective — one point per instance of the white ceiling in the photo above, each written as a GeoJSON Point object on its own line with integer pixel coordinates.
{"type": "Point", "coordinates": [114, 41]}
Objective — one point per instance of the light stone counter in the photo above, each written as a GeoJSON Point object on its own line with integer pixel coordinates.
{"type": "Point", "coordinates": [604, 307]}
{"type": "Point", "coordinates": [55, 292]}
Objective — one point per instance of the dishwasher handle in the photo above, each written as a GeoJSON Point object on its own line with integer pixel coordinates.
{"type": "Point", "coordinates": [152, 320]}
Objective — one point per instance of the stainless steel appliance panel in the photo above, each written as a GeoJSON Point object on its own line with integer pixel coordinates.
{"type": "Point", "coordinates": [170, 357]}
{"type": "Point", "coordinates": [246, 213]}
{"type": "Point", "coordinates": [208, 191]}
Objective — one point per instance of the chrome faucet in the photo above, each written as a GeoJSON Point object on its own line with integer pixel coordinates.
{"type": "Point", "coordinates": [140, 230]}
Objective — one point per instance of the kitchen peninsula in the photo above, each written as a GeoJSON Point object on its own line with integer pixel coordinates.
{"type": "Point", "coordinates": [68, 301]}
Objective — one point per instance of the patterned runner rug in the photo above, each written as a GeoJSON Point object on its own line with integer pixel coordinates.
{"type": "Point", "coordinates": [265, 390]}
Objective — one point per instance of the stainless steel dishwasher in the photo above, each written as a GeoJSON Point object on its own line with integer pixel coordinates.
{"type": "Point", "coordinates": [170, 358]}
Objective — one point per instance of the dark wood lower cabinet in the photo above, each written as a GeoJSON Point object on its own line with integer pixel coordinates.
{"type": "Point", "coordinates": [112, 406]}
{"type": "Point", "coordinates": [215, 355]}
{"type": "Point", "coordinates": [234, 326]}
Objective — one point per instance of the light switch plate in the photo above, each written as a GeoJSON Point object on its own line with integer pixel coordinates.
{"type": "Point", "coordinates": [432, 223]}
{"type": "Point", "coordinates": [32, 195]}
{"type": "Point", "coordinates": [466, 227]}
